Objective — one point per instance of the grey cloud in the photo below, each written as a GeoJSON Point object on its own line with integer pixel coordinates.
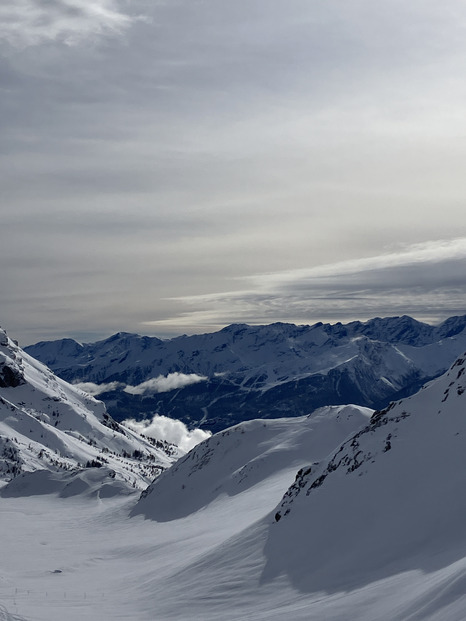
{"type": "Point", "coordinates": [426, 280]}
{"type": "Point", "coordinates": [31, 22]}
{"type": "Point", "coordinates": [218, 140]}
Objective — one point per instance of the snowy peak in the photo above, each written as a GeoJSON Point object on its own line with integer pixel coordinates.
{"type": "Point", "coordinates": [242, 457]}
{"type": "Point", "coordinates": [435, 419]}
{"type": "Point", "coordinates": [47, 424]}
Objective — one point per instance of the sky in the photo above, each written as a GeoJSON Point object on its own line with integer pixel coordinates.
{"type": "Point", "coordinates": [174, 167]}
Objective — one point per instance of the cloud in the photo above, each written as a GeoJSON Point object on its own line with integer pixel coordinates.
{"type": "Point", "coordinates": [30, 22]}
{"type": "Point", "coordinates": [169, 429]}
{"type": "Point", "coordinates": [218, 140]}
{"type": "Point", "coordinates": [97, 389]}
{"type": "Point", "coordinates": [164, 384]}
{"type": "Point", "coordinates": [161, 383]}
{"type": "Point", "coordinates": [425, 280]}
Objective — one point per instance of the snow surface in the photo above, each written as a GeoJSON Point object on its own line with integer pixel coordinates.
{"type": "Point", "coordinates": [113, 566]}
{"type": "Point", "coordinates": [371, 527]}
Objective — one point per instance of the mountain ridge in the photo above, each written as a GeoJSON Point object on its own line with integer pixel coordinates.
{"type": "Point", "coordinates": [273, 370]}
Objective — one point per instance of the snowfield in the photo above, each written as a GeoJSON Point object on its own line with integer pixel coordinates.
{"type": "Point", "coordinates": [343, 514]}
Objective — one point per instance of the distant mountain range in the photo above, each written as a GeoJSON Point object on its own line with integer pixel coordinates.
{"type": "Point", "coordinates": [245, 372]}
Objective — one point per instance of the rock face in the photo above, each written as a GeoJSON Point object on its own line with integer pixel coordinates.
{"type": "Point", "coordinates": [10, 376]}
{"type": "Point", "coordinates": [11, 373]}
{"type": "Point", "coordinates": [48, 425]}
{"type": "Point", "coordinates": [244, 372]}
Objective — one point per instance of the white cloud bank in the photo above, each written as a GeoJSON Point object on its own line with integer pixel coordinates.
{"type": "Point", "coordinates": [96, 389]}
{"type": "Point", "coordinates": [163, 383]}
{"type": "Point", "coordinates": [30, 22]}
{"type": "Point", "coordinates": [169, 429]}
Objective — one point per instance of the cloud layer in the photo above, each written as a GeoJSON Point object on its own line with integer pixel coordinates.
{"type": "Point", "coordinates": [96, 389]}
{"type": "Point", "coordinates": [162, 383]}
{"type": "Point", "coordinates": [171, 430]}
{"type": "Point", "coordinates": [425, 280]}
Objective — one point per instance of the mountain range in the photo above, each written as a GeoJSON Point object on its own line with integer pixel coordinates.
{"type": "Point", "coordinates": [245, 372]}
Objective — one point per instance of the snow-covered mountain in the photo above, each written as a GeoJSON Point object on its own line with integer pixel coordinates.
{"type": "Point", "coordinates": [400, 481]}
{"type": "Point", "coordinates": [344, 514]}
{"type": "Point", "coordinates": [374, 530]}
{"type": "Point", "coordinates": [48, 425]}
{"type": "Point", "coordinates": [244, 372]}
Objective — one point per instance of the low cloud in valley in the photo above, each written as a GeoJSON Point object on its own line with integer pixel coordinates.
{"type": "Point", "coordinates": [164, 383]}
{"type": "Point", "coordinates": [174, 431]}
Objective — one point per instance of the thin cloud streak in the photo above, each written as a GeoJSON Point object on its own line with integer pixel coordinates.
{"type": "Point", "coordinates": [173, 381]}
{"type": "Point", "coordinates": [426, 280]}
{"type": "Point", "coordinates": [97, 389]}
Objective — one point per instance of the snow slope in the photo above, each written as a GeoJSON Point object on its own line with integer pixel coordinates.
{"type": "Point", "coordinates": [47, 424]}
{"type": "Point", "coordinates": [97, 562]}
{"type": "Point", "coordinates": [245, 456]}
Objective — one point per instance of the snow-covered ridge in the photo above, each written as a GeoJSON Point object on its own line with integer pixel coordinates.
{"type": "Point", "coordinates": [244, 456]}
{"type": "Point", "coordinates": [437, 422]}
{"type": "Point", "coordinates": [47, 424]}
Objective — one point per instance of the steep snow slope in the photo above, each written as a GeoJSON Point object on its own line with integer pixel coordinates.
{"type": "Point", "coordinates": [47, 424]}
{"type": "Point", "coordinates": [401, 481]}
{"type": "Point", "coordinates": [244, 372]}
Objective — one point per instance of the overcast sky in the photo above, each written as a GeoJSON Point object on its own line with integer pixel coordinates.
{"type": "Point", "coordinates": [173, 167]}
